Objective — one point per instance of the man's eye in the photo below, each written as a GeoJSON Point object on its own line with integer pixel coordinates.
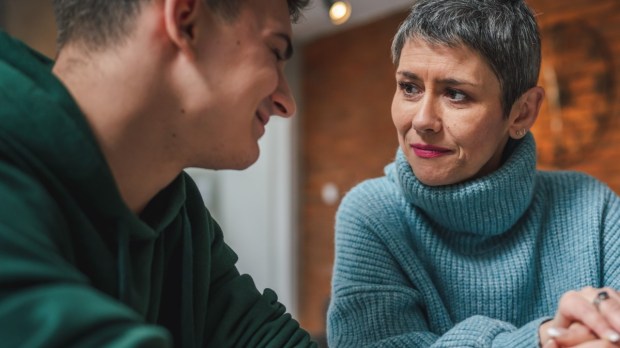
{"type": "Point", "coordinates": [277, 53]}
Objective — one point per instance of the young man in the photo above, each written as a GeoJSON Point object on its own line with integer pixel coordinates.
{"type": "Point", "coordinates": [104, 241]}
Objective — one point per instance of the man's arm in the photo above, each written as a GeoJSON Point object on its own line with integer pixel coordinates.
{"type": "Point", "coordinates": [44, 299]}
{"type": "Point", "coordinates": [238, 315]}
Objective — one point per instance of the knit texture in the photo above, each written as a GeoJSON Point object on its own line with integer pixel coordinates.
{"type": "Point", "coordinates": [476, 264]}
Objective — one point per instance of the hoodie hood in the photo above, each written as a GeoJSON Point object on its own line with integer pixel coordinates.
{"type": "Point", "coordinates": [45, 135]}
{"type": "Point", "coordinates": [50, 137]}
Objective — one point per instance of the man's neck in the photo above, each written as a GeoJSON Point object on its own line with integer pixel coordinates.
{"type": "Point", "coordinates": [122, 103]}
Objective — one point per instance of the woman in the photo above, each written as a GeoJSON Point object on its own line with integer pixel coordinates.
{"type": "Point", "coordinates": [463, 243]}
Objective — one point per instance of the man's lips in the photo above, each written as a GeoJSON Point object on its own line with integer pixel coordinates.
{"type": "Point", "coordinates": [429, 151]}
{"type": "Point", "coordinates": [264, 119]}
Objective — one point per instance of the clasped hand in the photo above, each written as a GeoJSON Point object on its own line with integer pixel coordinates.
{"type": "Point", "coordinates": [586, 318]}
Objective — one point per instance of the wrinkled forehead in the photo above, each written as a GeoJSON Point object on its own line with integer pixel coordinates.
{"type": "Point", "coordinates": [454, 44]}
{"type": "Point", "coordinates": [414, 44]}
{"type": "Point", "coordinates": [417, 48]}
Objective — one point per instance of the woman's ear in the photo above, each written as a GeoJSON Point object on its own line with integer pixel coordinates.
{"type": "Point", "coordinates": [525, 111]}
{"type": "Point", "coordinates": [180, 20]}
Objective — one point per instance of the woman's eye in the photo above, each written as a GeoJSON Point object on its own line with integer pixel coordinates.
{"type": "Point", "coordinates": [408, 88]}
{"type": "Point", "coordinates": [456, 95]}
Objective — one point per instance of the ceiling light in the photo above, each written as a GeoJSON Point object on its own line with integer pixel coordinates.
{"type": "Point", "coordinates": [339, 10]}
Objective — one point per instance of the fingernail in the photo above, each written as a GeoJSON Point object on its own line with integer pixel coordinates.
{"type": "Point", "coordinates": [612, 336]}
{"type": "Point", "coordinates": [556, 332]}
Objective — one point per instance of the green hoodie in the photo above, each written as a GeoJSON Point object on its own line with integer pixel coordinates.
{"type": "Point", "coordinates": [79, 269]}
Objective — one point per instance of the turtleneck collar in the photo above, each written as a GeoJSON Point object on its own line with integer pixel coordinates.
{"type": "Point", "coordinates": [485, 206]}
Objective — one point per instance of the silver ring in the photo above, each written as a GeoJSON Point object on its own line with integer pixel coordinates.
{"type": "Point", "coordinates": [600, 297]}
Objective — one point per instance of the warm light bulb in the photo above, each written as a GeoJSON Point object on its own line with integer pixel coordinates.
{"type": "Point", "coordinates": [340, 12]}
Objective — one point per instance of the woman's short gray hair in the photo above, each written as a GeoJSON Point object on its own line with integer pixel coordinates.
{"type": "Point", "coordinates": [503, 32]}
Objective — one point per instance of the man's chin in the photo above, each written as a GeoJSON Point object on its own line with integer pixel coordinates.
{"type": "Point", "coordinates": [242, 162]}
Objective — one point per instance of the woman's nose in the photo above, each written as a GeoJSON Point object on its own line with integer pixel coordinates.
{"type": "Point", "coordinates": [426, 119]}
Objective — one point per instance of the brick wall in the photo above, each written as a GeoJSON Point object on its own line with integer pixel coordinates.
{"type": "Point", "coordinates": [590, 97]}
{"type": "Point", "coordinates": [348, 136]}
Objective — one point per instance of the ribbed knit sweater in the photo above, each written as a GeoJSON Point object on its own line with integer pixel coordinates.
{"type": "Point", "coordinates": [476, 264]}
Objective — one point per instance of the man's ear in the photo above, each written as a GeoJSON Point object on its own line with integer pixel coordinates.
{"type": "Point", "coordinates": [180, 20]}
{"type": "Point", "coordinates": [525, 111]}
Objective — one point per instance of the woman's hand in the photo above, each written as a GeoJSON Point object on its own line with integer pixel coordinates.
{"type": "Point", "coordinates": [589, 316]}
{"type": "Point", "coordinates": [575, 335]}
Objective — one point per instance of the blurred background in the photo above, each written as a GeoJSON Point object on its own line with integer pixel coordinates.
{"type": "Point", "coordinates": [279, 214]}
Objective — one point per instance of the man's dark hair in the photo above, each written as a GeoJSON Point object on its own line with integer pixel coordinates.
{"type": "Point", "coordinates": [100, 23]}
{"type": "Point", "coordinates": [229, 8]}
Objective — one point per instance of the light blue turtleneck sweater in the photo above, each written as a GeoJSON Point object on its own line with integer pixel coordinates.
{"type": "Point", "coordinates": [476, 264]}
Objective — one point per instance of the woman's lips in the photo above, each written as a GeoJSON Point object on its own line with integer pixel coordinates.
{"type": "Point", "coordinates": [429, 151]}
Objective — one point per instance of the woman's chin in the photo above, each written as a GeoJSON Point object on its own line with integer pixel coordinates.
{"type": "Point", "coordinates": [436, 179]}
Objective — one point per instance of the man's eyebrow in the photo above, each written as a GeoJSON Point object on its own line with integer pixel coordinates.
{"type": "Point", "coordinates": [288, 53]}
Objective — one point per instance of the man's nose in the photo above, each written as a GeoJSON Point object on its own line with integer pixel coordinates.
{"type": "Point", "coordinates": [282, 99]}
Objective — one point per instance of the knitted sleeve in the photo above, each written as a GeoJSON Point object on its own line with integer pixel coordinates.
{"type": "Point", "coordinates": [374, 304]}
{"type": "Point", "coordinates": [611, 241]}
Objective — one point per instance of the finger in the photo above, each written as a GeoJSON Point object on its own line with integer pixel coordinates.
{"type": "Point", "coordinates": [574, 307]}
{"type": "Point", "coordinates": [599, 343]}
{"type": "Point", "coordinates": [550, 344]}
{"type": "Point", "coordinates": [610, 308]}
{"type": "Point", "coordinates": [576, 334]}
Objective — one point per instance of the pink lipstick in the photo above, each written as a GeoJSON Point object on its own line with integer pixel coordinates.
{"type": "Point", "coordinates": [429, 151]}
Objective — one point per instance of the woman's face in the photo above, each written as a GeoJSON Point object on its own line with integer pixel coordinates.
{"type": "Point", "coordinates": [448, 114]}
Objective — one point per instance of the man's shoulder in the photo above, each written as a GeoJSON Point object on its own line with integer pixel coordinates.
{"type": "Point", "coordinates": [18, 187]}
